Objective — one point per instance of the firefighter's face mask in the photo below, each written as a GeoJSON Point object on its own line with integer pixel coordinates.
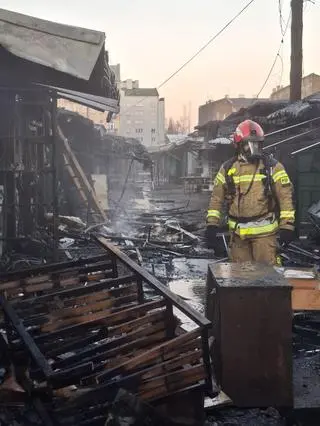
{"type": "Point", "coordinates": [252, 149]}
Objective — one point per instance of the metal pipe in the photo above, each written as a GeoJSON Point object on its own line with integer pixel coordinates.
{"type": "Point", "coordinates": [291, 138]}
{"type": "Point", "coordinates": [293, 126]}
{"type": "Point", "coordinates": [305, 148]}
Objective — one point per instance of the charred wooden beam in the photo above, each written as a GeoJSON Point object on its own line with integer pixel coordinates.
{"type": "Point", "coordinates": [155, 284]}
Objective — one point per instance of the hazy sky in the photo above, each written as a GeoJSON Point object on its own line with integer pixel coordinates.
{"type": "Point", "coordinates": [152, 38]}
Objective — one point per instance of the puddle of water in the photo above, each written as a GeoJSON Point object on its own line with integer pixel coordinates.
{"type": "Point", "coordinates": [188, 280]}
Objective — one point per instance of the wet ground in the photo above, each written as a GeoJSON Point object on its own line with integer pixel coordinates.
{"type": "Point", "coordinates": [186, 276]}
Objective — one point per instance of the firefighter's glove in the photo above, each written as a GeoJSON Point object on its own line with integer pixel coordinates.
{"type": "Point", "coordinates": [211, 236]}
{"type": "Point", "coordinates": [286, 237]}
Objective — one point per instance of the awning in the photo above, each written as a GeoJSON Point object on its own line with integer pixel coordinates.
{"type": "Point", "coordinates": [92, 101]}
{"type": "Point", "coordinates": [67, 49]}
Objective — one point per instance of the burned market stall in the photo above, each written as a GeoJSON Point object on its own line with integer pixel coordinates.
{"type": "Point", "coordinates": [114, 165]}
{"type": "Point", "coordinates": [81, 331]}
{"type": "Point", "coordinates": [71, 63]}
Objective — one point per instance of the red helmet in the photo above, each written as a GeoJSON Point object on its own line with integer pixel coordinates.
{"type": "Point", "coordinates": [248, 131]}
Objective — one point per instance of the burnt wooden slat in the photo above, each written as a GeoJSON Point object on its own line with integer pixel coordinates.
{"type": "Point", "coordinates": [154, 283]}
{"type": "Point", "coordinates": [109, 345]}
{"type": "Point", "coordinates": [105, 319]}
{"type": "Point", "coordinates": [79, 291]}
{"type": "Point", "coordinates": [103, 333]}
{"type": "Point", "coordinates": [160, 369]}
{"type": "Point", "coordinates": [64, 278]}
{"type": "Point", "coordinates": [153, 354]}
{"type": "Point", "coordinates": [126, 327]}
{"type": "Point", "coordinates": [171, 383]}
{"type": "Point", "coordinates": [55, 325]}
{"type": "Point", "coordinates": [149, 389]}
{"type": "Point", "coordinates": [62, 347]}
{"type": "Point", "coordinates": [172, 380]}
{"type": "Point", "coordinates": [101, 305]}
{"type": "Point", "coordinates": [139, 343]}
{"type": "Point", "coordinates": [53, 267]}
{"type": "Point", "coordinates": [71, 315]}
{"type": "Point", "coordinates": [45, 308]}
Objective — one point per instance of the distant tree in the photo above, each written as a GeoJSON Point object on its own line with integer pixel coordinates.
{"type": "Point", "coordinates": [171, 126]}
{"type": "Point", "coordinates": [174, 127]}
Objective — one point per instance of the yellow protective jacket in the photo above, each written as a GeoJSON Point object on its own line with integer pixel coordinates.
{"type": "Point", "coordinates": [257, 198]}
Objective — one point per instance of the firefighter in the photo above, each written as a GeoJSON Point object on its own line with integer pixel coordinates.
{"type": "Point", "coordinates": [255, 192]}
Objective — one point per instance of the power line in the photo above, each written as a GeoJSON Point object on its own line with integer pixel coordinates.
{"type": "Point", "coordinates": [276, 57]}
{"type": "Point", "coordinates": [197, 53]}
{"type": "Point", "coordinates": [281, 17]}
{"type": "Point", "coordinates": [206, 44]}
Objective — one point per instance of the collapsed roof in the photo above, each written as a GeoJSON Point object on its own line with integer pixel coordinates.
{"type": "Point", "coordinates": [79, 130]}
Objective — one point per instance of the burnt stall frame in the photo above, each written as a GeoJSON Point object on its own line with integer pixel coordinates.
{"type": "Point", "coordinates": [29, 157]}
{"type": "Point", "coordinates": [131, 375]}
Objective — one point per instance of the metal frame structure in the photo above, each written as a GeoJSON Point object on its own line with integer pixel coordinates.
{"type": "Point", "coordinates": [77, 307]}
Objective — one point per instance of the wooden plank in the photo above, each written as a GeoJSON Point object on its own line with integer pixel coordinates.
{"type": "Point", "coordinates": [175, 345]}
{"type": "Point", "coordinates": [162, 368]}
{"type": "Point", "coordinates": [109, 346]}
{"type": "Point", "coordinates": [56, 325]}
{"type": "Point", "coordinates": [154, 283]}
{"type": "Point", "coordinates": [107, 320]}
{"type": "Point", "coordinates": [74, 312]}
{"type": "Point", "coordinates": [79, 291]}
{"type": "Point", "coordinates": [163, 390]}
{"type": "Point", "coordinates": [117, 352]}
{"type": "Point", "coordinates": [63, 347]}
{"type": "Point", "coordinates": [172, 364]}
{"type": "Point", "coordinates": [15, 288]}
{"type": "Point", "coordinates": [49, 268]}
{"type": "Point", "coordinates": [305, 294]}
{"type": "Point", "coordinates": [174, 380]}
{"type": "Point", "coordinates": [305, 300]}
{"type": "Point", "coordinates": [127, 327]}
{"type": "Point", "coordinates": [51, 307]}
{"type": "Point", "coordinates": [57, 275]}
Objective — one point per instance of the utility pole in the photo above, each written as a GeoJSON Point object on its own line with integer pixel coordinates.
{"type": "Point", "coordinates": [296, 50]}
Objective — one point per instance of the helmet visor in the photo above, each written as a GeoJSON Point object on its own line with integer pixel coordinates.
{"type": "Point", "coordinates": [255, 148]}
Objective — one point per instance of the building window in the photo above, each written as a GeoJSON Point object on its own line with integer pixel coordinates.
{"type": "Point", "coordinates": [139, 130]}
{"type": "Point", "coordinates": [153, 130]}
{"type": "Point", "coordinates": [153, 139]}
{"type": "Point", "coordinates": [141, 139]}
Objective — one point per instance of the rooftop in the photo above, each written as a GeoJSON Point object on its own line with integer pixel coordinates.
{"type": "Point", "coordinates": [67, 49]}
{"type": "Point", "coordinates": [238, 103]}
{"type": "Point", "coordinates": [282, 89]}
{"type": "Point", "coordinates": [141, 92]}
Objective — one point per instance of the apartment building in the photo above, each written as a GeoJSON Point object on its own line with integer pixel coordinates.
{"type": "Point", "coordinates": [222, 108]}
{"type": "Point", "coordinates": [310, 84]}
{"type": "Point", "coordinates": [142, 116]}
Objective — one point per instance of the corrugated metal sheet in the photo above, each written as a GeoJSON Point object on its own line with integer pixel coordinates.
{"type": "Point", "coordinates": [99, 103]}
{"type": "Point", "coordinates": [68, 49]}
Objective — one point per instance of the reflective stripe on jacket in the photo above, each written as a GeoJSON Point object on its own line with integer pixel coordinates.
{"type": "Point", "coordinates": [251, 211]}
